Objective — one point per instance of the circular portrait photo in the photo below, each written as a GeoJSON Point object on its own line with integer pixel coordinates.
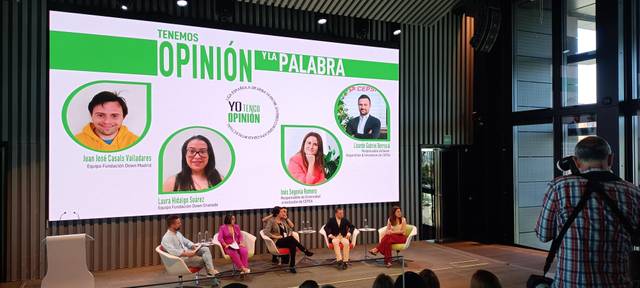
{"type": "Point", "coordinates": [311, 155]}
{"type": "Point", "coordinates": [108, 116]}
{"type": "Point", "coordinates": [362, 112]}
{"type": "Point", "coordinates": [195, 159]}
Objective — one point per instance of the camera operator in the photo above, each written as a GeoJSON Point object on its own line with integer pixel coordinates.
{"type": "Point", "coordinates": [595, 250]}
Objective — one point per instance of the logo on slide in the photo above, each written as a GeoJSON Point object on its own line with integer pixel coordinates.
{"type": "Point", "coordinates": [253, 113]}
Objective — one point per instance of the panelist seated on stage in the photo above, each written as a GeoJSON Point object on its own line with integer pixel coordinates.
{"type": "Point", "coordinates": [279, 229]}
{"type": "Point", "coordinates": [230, 237]}
{"type": "Point", "coordinates": [194, 255]}
{"type": "Point", "coordinates": [395, 234]}
{"type": "Point", "coordinates": [339, 231]}
{"type": "Point", "coordinates": [265, 219]}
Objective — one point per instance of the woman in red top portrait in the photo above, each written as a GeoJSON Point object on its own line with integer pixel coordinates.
{"type": "Point", "coordinates": [307, 165]}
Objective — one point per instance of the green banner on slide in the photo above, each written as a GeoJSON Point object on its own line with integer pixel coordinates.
{"type": "Point", "coordinates": [100, 53]}
{"type": "Point", "coordinates": [113, 54]}
{"type": "Point", "coordinates": [329, 66]}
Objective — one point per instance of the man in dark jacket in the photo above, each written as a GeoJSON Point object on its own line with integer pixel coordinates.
{"type": "Point", "coordinates": [364, 126]}
{"type": "Point", "coordinates": [339, 231]}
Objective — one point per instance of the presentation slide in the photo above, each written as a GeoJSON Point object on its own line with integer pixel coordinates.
{"type": "Point", "coordinates": [150, 118]}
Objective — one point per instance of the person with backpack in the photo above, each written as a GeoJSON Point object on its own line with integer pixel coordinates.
{"type": "Point", "coordinates": [593, 215]}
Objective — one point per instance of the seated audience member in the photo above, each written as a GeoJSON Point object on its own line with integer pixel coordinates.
{"type": "Point", "coordinates": [484, 279]}
{"type": "Point", "coordinates": [339, 231]}
{"type": "Point", "coordinates": [235, 285]}
{"type": "Point", "coordinates": [279, 229]}
{"type": "Point", "coordinates": [594, 252]}
{"type": "Point", "coordinates": [383, 281]}
{"type": "Point", "coordinates": [309, 284]}
{"type": "Point", "coordinates": [410, 279]}
{"type": "Point", "coordinates": [327, 286]}
{"type": "Point", "coordinates": [274, 210]}
{"type": "Point", "coordinates": [396, 226]}
{"type": "Point", "coordinates": [193, 255]}
{"type": "Point", "coordinates": [230, 237]}
{"type": "Point", "coordinates": [106, 132]}
{"type": "Point", "coordinates": [430, 278]}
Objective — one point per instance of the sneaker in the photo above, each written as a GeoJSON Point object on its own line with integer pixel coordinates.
{"type": "Point", "coordinates": [308, 253]}
{"type": "Point", "coordinates": [293, 270]}
{"type": "Point", "coordinates": [345, 265]}
{"type": "Point", "coordinates": [340, 265]}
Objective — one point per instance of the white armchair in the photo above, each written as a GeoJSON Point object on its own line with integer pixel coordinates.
{"type": "Point", "coordinates": [410, 232]}
{"type": "Point", "coordinates": [176, 266]}
{"type": "Point", "coordinates": [248, 240]}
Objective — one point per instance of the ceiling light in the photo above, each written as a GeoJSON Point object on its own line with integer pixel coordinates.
{"type": "Point", "coordinates": [124, 7]}
{"type": "Point", "coordinates": [397, 32]}
{"type": "Point", "coordinates": [322, 21]}
{"type": "Point", "coordinates": [182, 3]}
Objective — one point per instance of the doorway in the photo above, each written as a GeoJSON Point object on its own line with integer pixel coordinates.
{"type": "Point", "coordinates": [441, 193]}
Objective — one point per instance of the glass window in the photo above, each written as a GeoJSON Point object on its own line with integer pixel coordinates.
{"type": "Point", "coordinates": [533, 169]}
{"type": "Point", "coordinates": [580, 83]}
{"type": "Point", "coordinates": [532, 55]}
{"type": "Point", "coordinates": [635, 122]}
{"type": "Point", "coordinates": [574, 129]}
{"type": "Point", "coordinates": [579, 54]}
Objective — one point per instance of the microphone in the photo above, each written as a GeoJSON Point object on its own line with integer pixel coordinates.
{"type": "Point", "coordinates": [61, 215]}
{"type": "Point", "coordinates": [77, 215]}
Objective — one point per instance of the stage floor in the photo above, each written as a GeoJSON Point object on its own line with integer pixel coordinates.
{"type": "Point", "coordinates": [453, 263]}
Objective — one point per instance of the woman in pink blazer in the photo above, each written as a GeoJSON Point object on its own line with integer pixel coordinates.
{"type": "Point", "coordinates": [228, 234]}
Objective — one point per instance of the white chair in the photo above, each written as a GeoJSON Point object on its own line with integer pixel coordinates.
{"type": "Point", "coordinates": [352, 243]}
{"type": "Point", "coordinates": [410, 232]}
{"type": "Point", "coordinates": [176, 266]}
{"type": "Point", "coordinates": [248, 241]}
{"type": "Point", "coordinates": [271, 246]}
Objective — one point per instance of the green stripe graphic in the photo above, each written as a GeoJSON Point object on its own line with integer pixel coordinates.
{"type": "Point", "coordinates": [100, 53]}
{"type": "Point", "coordinates": [269, 61]}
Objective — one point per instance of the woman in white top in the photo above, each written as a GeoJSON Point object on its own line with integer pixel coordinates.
{"type": "Point", "coordinates": [396, 227]}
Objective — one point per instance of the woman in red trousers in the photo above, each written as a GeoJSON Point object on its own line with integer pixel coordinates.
{"type": "Point", "coordinates": [396, 225]}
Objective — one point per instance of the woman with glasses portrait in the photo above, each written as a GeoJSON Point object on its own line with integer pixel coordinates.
{"type": "Point", "coordinates": [198, 167]}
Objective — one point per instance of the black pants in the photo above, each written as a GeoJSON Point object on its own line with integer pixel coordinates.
{"type": "Point", "coordinates": [292, 244]}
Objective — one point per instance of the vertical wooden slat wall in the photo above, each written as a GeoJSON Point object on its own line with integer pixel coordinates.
{"type": "Point", "coordinates": [435, 100]}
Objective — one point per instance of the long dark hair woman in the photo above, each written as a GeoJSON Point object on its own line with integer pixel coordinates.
{"type": "Point", "coordinates": [394, 234]}
{"type": "Point", "coordinates": [307, 165]}
{"type": "Point", "coordinates": [198, 169]}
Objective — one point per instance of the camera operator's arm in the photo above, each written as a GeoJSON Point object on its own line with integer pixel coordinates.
{"type": "Point", "coordinates": [546, 226]}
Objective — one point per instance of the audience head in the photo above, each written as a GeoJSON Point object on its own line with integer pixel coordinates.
{"type": "Point", "coordinates": [430, 278]}
{"type": "Point", "coordinates": [174, 222]}
{"type": "Point", "coordinates": [484, 279]}
{"type": "Point", "coordinates": [235, 285]}
{"type": "Point", "coordinates": [411, 280]}
{"type": "Point", "coordinates": [383, 281]}
{"type": "Point", "coordinates": [229, 219]}
{"type": "Point", "coordinates": [327, 286]}
{"type": "Point", "coordinates": [339, 213]}
{"type": "Point", "coordinates": [593, 152]}
{"type": "Point", "coordinates": [309, 284]}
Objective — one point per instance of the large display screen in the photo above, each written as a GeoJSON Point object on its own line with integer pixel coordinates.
{"type": "Point", "coordinates": [151, 118]}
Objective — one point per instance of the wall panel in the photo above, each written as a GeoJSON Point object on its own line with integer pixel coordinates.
{"type": "Point", "coordinates": [436, 84]}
